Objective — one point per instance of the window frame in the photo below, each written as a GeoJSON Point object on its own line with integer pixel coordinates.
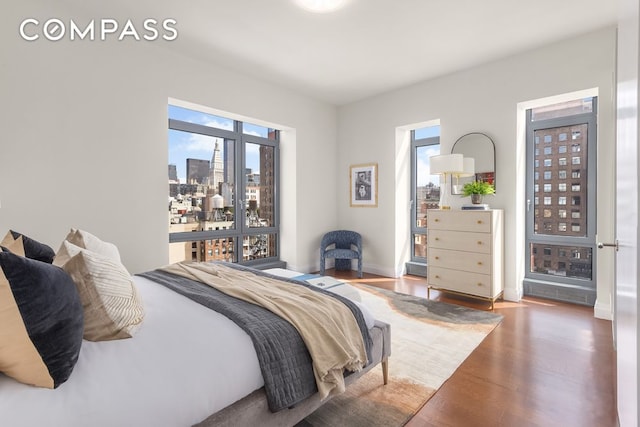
{"type": "Point", "coordinates": [587, 242]}
{"type": "Point", "coordinates": [240, 229]}
{"type": "Point", "coordinates": [414, 229]}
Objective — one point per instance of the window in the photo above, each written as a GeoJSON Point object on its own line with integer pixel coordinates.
{"type": "Point", "coordinates": [561, 238]}
{"type": "Point", "coordinates": [425, 188]}
{"type": "Point", "coordinates": [223, 176]}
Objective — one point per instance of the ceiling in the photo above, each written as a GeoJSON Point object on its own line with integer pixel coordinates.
{"type": "Point", "coordinates": [366, 48]}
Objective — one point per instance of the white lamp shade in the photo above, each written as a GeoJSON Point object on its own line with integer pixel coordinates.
{"type": "Point", "coordinates": [446, 163]}
{"type": "Point", "coordinates": [468, 167]}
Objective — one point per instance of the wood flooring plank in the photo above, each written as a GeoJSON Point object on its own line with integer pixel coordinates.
{"type": "Point", "coordinates": [547, 364]}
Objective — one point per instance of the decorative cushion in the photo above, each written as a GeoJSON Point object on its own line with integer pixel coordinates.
{"type": "Point", "coordinates": [111, 305]}
{"type": "Point", "coordinates": [66, 252]}
{"type": "Point", "coordinates": [41, 321]}
{"type": "Point", "coordinates": [15, 247]}
{"type": "Point", "coordinates": [32, 248]}
{"type": "Point", "coordinates": [86, 240]}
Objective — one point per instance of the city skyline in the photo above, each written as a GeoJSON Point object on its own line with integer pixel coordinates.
{"type": "Point", "coordinates": [184, 145]}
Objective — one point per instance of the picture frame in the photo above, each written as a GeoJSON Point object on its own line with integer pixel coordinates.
{"type": "Point", "coordinates": [363, 184]}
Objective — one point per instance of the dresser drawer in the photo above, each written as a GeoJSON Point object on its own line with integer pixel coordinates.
{"type": "Point", "coordinates": [459, 221]}
{"type": "Point", "coordinates": [460, 240]}
{"type": "Point", "coordinates": [467, 261]}
{"type": "Point", "coordinates": [460, 281]}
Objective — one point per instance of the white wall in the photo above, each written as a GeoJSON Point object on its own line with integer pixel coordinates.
{"type": "Point", "coordinates": [84, 140]}
{"type": "Point", "coordinates": [482, 99]}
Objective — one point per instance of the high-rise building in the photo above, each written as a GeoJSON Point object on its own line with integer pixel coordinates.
{"type": "Point", "coordinates": [197, 171]}
{"type": "Point", "coordinates": [560, 200]}
{"type": "Point", "coordinates": [173, 173]}
{"type": "Point", "coordinates": [216, 171]}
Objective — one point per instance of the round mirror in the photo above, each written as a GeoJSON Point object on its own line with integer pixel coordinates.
{"type": "Point", "coordinates": [481, 148]}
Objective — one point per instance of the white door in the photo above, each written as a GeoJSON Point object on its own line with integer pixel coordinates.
{"type": "Point", "coordinates": [626, 283]}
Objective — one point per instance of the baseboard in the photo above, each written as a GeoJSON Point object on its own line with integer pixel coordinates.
{"type": "Point", "coordinates": [602, 311]}
{"type": "Point", "coordinates": [512, 294]}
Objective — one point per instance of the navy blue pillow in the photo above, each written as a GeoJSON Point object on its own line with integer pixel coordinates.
{"type": "Point", "coordinates": [42, 321]}
{"type": "Point", "coordinates": [34, 249]}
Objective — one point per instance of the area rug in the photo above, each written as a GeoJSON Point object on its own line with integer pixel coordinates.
{"type": "Point", "coordinates": [429, 340]}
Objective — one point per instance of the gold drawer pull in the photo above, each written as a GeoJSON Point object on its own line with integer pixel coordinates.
{"type": "Point", "coordinates": [479, 221]}
{"type": "Point", "coordinates": [479, 262]}
{"type": "Point", "coordinates": [437, 277]}
{"type": "Point", "coordinates": [479, 242]}
{"type": "Point", "coordinates": [437, 257]}
{"type": "Point", "coordinates": [436, 220]}
{"type": "Point", "coordinates": [436, 239]}
{"type": "Point", "coordinates": [479, 284]}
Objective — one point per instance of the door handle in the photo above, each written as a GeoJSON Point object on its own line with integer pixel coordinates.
{"type": "Point", "coordinates": [611, 245]}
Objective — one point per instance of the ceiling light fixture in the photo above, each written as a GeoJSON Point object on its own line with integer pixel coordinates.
{"type": "Point", "coordinates": [321, 6]}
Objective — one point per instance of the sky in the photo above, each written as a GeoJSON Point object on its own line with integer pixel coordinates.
{"type": "Point", "coordinates": [424, 153]}
{"type": "Point", "coordinates": [183, 145]}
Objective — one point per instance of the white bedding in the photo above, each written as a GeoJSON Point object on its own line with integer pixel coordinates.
{"type": "Point", "coordinates": [184, 363]}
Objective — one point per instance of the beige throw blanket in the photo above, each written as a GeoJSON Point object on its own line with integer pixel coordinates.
{"type": "Point", "coordinates": [327, 326]}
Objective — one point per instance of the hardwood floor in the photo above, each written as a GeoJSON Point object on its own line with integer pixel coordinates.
{"type": "Point", "coordinates": [546, 364]}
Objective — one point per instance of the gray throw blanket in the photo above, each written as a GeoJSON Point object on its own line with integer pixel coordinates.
{"type": "Point", "coordinates": [284, 360]}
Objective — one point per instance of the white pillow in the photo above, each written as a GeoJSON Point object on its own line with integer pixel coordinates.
{"type": "Point", "coordinates": [86, 240]}
{"type": "Point", "coordinates": [66, 251]}
{"type": "Point", "coordinates": [111, 305]}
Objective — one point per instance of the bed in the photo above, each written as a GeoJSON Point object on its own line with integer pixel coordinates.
{"type": "Point", "coordinates": [167, 374]}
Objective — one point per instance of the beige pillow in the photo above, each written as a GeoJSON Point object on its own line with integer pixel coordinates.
{"type": "Point", "coordinates": [66, 251]}
{"type": "Point", "coordinates": [86, 240]}
{"type": "Point", "coordinates": [111, 305]}
{"type": "Point", "coordinates": [15, 246]}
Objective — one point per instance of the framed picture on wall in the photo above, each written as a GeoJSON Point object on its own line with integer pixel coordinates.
{"type": "Point", "coordinates": [364, 185]}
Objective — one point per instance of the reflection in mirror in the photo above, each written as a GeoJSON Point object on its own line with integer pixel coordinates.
{"type": "Point", "coordinates": [481, 149]}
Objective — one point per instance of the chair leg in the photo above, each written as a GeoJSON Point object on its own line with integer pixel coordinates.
{"type": "Point", "coordinates": [322, 266]}
{"type": "Point", "coordinates": [360, 268]}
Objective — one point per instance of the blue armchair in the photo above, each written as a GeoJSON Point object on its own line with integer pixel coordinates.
{"type": "Point", "coordinates": [343, 245]}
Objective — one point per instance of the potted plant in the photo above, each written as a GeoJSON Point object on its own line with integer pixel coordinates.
{"type": "Point", "coordinates": [477, 189]}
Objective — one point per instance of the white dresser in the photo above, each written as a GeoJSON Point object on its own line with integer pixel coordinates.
{"type": "Point", "coordinates": [465, 252]}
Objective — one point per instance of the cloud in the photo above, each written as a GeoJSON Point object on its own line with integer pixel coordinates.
{"type": "Point", "coordinates": [197, 143]}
